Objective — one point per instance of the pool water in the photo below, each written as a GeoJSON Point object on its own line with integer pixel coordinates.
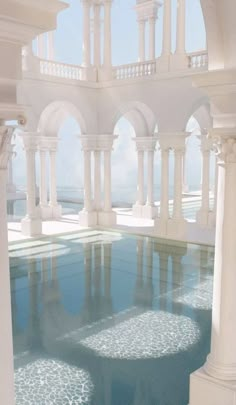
{"type": "Point", "coordinates": [103, 318]}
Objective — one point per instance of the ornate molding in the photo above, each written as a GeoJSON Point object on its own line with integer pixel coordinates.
{"type": "Point", "coordinates": [97, 142]}
{"type": "Point", "coordinates": [147, 143]}
{"type": "Point", "coordinates": [224, 144]}
{"type": "Point", "coordinates": [5, 146]}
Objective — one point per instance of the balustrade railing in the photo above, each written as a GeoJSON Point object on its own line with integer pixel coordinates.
{"type": "Point", "coordinates": [198, 60]}
{"type": "Point", "coordinates": [133, 70]}
{"type": "Point", "coordinates": [61, 70]}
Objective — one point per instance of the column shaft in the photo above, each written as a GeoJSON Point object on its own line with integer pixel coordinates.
{"type": "Point", "coordinates": [205, 179]}
{"type": "Point", "coordinates": [6, 347]}
{"type": "Point", "coordinates": [166, 49]}
{"type": "Point", "coordinates": [152, 38]}
{"type": "Point", "coordinates": [140, 187]}
{"type": "Point", "coordinates": [50, 45]}
{"type": "Point", "coordinates": [53, 179]}
{"type": "Point", "coordinates": [107, 33]}
{"type": "Point", "coordinates": [41, 46]}
{"type": "Point", "coordinates": [86, 34]}
{"type": "Point", "coordinates": [164, 203]}
{"type": "Point", "coordinates": [97, 180]}
{"type": "Point", "coordinates": [87, 181]}
{"type": "Point", "coordinates": [107, 180]}
{"type": "Point", "coordinates": [97, 35]}
{"type": "Point", "coordinates": [31, 183]}
{"type": "Point", "coordinates": [216, 186]}
{"type": "Point", "coordinates": [180, 35]}
{"type": "Point", "coordinates": [141, 25]}
{"type": "Point", "coordinates": [150, 176]}
{"type": "Point", "coordinates": [43, 179]}
{"type": "Point", "coordinates": [178, 179]}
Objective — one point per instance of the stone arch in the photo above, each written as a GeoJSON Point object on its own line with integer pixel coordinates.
{"type": "Point", "coordinates": [140, 117]}
{"type": "Point", "coordinates": [202, 115]}
{"type": "Point", "coordinates": [54, 114]}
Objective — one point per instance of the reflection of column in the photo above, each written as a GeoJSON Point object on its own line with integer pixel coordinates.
{"type": "Point", "coordinates": [97, 270]}
{"type": "Point", "coordinates": [141, 25]}
{"type": "Point", "coordinates": [221, 363]}
{"type": "Point", "coordinates": [6, 346]}
{"type": "Point", "coordinates": [166, 49]}
{"type": "Point", "coordinates": [107, 33]}
{"type": "Point", "coordinates": [149, 272]}
{"type": "Point", "coordinates": [178, 179]}
{"type": "Point", "coordinates": [163, 265]}
{"type": "Point", "coordinates": [138, 294]}
{"type": "Point", "coordinates": [86, 33]}
{"type": "Point", "coordinates": [180, 37]}
{"type": "Point", "coordinates": [34, 325]}
{"type": "Point", "coordinates": [107, 270]}
{"type": "Point", "coordinates": [97, 179]}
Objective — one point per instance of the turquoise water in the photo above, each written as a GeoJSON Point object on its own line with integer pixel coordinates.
{"type": "Point", "coordinates": [102, 318]}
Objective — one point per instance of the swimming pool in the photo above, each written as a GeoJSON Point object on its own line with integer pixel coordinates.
{"type": "Point", "coordinates": [103, 318]}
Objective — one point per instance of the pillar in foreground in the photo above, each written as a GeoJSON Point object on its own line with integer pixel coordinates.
{"type": "Point", "coordinates": [214, 383]}
{"type": "Point", "coordinates": [31, 225]}
{"type": "Point", "coordinates": [6, 348]}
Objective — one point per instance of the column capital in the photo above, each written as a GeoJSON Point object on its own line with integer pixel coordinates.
{"type": "Point", "coordinates": [224, 142]}
{"type": "Point", "coordinates": [172, 140]}
{"type": "Point", "coordinates": [48, 143]}
{"type": "Point", "coordinates": [5, 145]}
{"type": "Point", "coordinates": [97, 142]}
{"type": "Point", "coordinates": [147, 143]}
{"type": "Point", "coordinates": [30, 140]}
{"type": "Point", "coordinates": [206, 142]}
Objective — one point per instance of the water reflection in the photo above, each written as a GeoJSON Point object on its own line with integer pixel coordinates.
{"type": "Point", "coordinates": [115, 322]}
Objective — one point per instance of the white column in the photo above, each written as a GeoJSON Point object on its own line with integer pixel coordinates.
{"type": "Point", "coordinates": [97, 179]}
{"type": "Point", "coordinates": [50, 45]}
{"type": "Point", "coordinates": [150, 177]}
{"type": "Point", "coordinates": [107, 180]}
{"type": "Point", "coordinates": [180, 34]}
{"type": "Point", "coordinates": [221, 363]}
{"type": "Point", "coordinates": [41, 46]}
{"type": "Point", "coordinates": [6, 347]}
{"type": "Point", "coordinates": [178, 184]}
{"type": "Point", "coordinates": [216, 186]}
{"type": "Point", "coordinates": [97, 35]}
{"type": "Point", "coordinates": [205, 179]}
{"type": "Point", "coordinates": [166, 49]}
{"type": "Point", "coordinates": [87, 181]}
{"type": "Point", "coordinates": [140, 187]}
{"type": "Point", "coordinates": [86, 34]}
{"type": "Point", "coordinates": [43, 179]}
{"type": "Point", "coordinates": [31, 182]}
{"type": "Point", "coordinates": [141, 26]}
{"type": "Point", "coordinates": [164, 203]}
{"type": "Point", "coordinates": [53, 179]}
{"type": "Point", "coordinates": [152, 38]}
{"type": "Point", "coordinates": [107, 33]}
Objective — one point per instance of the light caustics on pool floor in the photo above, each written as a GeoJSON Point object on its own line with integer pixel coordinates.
{"type": "Point", "coordinates": [101, 318]}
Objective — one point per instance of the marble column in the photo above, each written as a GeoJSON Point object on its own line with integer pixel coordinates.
{"type": "Point", "coordinates": [162, 220]}
{"type": "Point", "coordinates": [50, 45]}
{"type": "Point", "coordinates": [152, 38]}
{"type": "Point", "coordinates": [107, 33]}
{"type": "Point", "coordinates": [138, 206]}
{"type": "Point", "coordinates": [86, 34]}
{"type": "Point", "coordinates": [53, 203]}
{"type": "Point", "coordinates": [180, 34]}
{"type": "Point", "coordinates": [203, 213]}
{"type": "Point", "coordinates": [6, 347]}
{"type": "Point", "coordinates": [150, 178]}
{"type": "Point", "coordinates": [178, 184]}
{"type": "Point", "coordinates": [43, 194]}
{"type": "Point", "coordinates": [97, 180]}
{"type": "Point", "coordinates": [166, 48]}
{"type": "Point", "coordinates": [215, 382]}
{"type": "Point", "coordinates": [97, 35]}
{"type": "Point", "coordinates": [31, 225]}
{"type": "Point", "coordinates": [107, 181]}
{"type": "Point", "coordinates": [141, 27]}
{"type": "Point", "coordinates": [212, 214]}
{"type": "Point", "coordinates": [149, 211]}
{"type": "Point", "coordinates": [11, 188]}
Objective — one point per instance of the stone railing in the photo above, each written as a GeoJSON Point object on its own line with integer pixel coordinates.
{"type": "Point", "coordinates": [133, 70]}
{"type": "Point", "coordinates": [62, 70]}
{"type": "Point", "coordinates": [198, 60]}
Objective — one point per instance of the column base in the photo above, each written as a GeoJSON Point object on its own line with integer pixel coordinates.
{"type": "Point", "coordinates": [46, 211]}
{"type": "Point", "coordinates": [179, 62]}
{"type": "Point", "coordinates": [56, 211]}
{"type": "Point", "coordinates": [31, 226]}
{"type": "Point", "coordinates": [88, 218]}
{"type": "Point", "coordinates": [177, 228]}
{"type": "Point", "coordinates": [149, 211]}
{"type": "Point", "coordinates": [137, 211]}
{"type": "Point", "coordinates": [160, 226]}
{"type": "Point", "coordinates": [206, 390]}
{"type": "Point", "coordinates": [107, 218]}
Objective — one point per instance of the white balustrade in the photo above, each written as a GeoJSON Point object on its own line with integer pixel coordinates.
{"type": "Point", "coordinates": [198, 60]}
{"type": "Point", "coordinates": [134, 70]}
{"type": "Point", "coordinates": [61, 70]}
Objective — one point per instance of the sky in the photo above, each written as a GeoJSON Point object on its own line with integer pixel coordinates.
{"type": "Point", "coordinates": [68, 49]}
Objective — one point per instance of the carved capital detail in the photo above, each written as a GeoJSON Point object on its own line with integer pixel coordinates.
{"type": "Point", "coordinates": [224, 143]}
{"type": "Point", "coordinates": [5, 146]}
